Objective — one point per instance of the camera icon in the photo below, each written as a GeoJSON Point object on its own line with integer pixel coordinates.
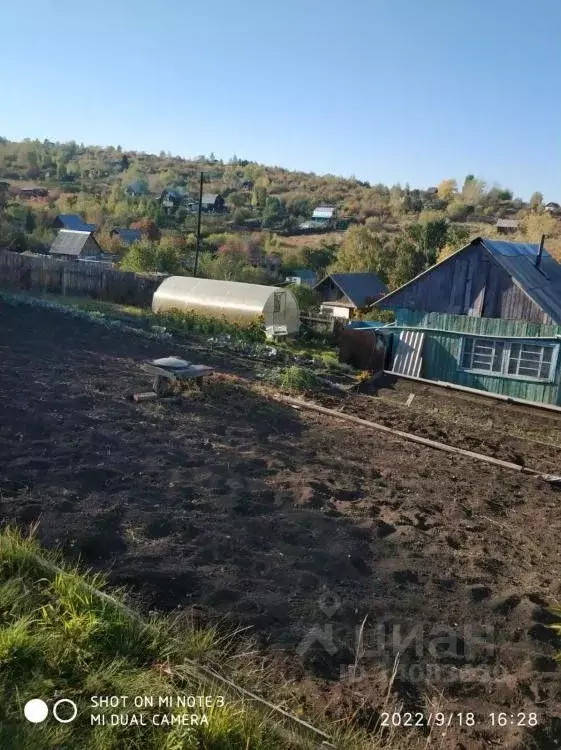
{"type": "Point", "coordinates": [36, 710]}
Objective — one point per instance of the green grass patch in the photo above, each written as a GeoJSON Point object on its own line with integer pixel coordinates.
{"type": "Point", "coordinates": [60, 637]}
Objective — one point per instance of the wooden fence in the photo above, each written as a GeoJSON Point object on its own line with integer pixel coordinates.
{"type": "Point", "coordinates": [27, 273]}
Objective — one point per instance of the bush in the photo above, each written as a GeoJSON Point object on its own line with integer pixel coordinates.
{"type": "Point", "coordinates": [179, 321]}
{"type": "Point", "coordinates": [376, 314]}
{"type": "Point", "coordinates": [459, 211]}
{"type": "Point", "coordinates": [298, 379]}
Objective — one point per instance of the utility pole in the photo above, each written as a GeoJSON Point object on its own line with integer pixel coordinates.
{"type": "Point", "coordinates": [198, 247]}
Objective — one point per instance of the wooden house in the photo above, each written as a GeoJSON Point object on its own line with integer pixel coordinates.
{"type": "Point", "coordinates": [126, 236]}
{"type": "Point", "coordinates": [487, 279]}
{"type": "Point", "coordinates": [212, 202]}
{"type": "Point", "coordinates": [72, 221]}
{"type": "Point", "coordinates": [345, 293]}
{"type": "Point", "coordinates": [487, 317]}
{"type": "Point", "coordinates": [506, 226]}
{"type": "Point", "coordinates": [70, 244]}
{"type": "Point", "coordinates": [553, 208]}
{"type": "Point", "coordinates": [172, 198]}
{"type": "Point", "coordinates": [324, 216]}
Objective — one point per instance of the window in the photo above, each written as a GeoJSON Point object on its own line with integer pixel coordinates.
{"type": "Point", "coordinates": [530, 360]}
{"type": "Point", "coordinates": [509, 358]}
{"type": "Point", "coordinates": [483, 354]}
{"type": "Point", "coordinates": [276, 303]}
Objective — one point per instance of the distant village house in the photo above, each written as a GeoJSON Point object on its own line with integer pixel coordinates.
{"type": "Point", "coordinates": [324, 216]}
{"type": "Point", "coordinates": [506, 226]}
{"type": "Point", "coordinates": [212, 202]}
{"type": "Point", "coordinates": [553, 208]}
{"type": "Point", "coordinates": [126, 236]}
{"type": "Point", "coordinates": [72, 221]}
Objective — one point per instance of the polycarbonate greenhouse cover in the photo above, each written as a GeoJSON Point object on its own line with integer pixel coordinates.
{"type": "Point", "coordinates": [235, 295]}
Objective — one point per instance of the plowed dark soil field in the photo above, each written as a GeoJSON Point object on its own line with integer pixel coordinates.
{"type": "Point", "coordinates": [299, 525]}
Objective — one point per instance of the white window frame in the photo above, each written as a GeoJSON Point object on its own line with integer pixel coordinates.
{"type": "Point", "coordinates": [504, 373]}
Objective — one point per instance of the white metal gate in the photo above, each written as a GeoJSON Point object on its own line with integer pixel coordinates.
{"type": "Point", "coordinates": [408, 355]}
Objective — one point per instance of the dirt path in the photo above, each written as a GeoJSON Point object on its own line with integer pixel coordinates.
{"type": "Point", "coordinates": [292, 523]}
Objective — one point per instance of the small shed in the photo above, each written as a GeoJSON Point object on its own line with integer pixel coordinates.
{"type": "Point", "coordinates": [75, 244]}
{"type": "Point", "coordinates": [503, 226]}
{"type": "Point", "coordinates": [233, 300]}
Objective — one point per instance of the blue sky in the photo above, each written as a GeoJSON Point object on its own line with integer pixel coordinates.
{"type": "Point", "coordinates": [387, 90]}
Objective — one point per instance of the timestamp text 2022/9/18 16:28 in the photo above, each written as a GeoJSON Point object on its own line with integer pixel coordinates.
{"type": "Point", "coordinates": [458, 719]}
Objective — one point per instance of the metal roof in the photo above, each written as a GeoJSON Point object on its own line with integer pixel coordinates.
{"type": "Point", "coordinates": [542, 285]}
{"type": "Point", "coordinates": [518, 259]}
{"type": "Point", "coordinates": [73, 221]}
{"type": "Point", "coordinates": [323, 212]}
{"type": "Point", "coordinates": [303, 273]}
{"type": "Point", "coordinates": [127, 236]}
{"type": "Point", "coordinates": [209, 198]}
{"type": "Point", "coordinates": [70, 242]}
{"type": "Point", "coordinates": [358, 287]}
{"type": "Point", "coordinates": [507, 224]}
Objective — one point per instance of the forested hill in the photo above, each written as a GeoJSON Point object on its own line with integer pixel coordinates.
{"type": "Point", "coordinates": [91, 169]}
{"type": "Point", "coordinates": [112, 187]}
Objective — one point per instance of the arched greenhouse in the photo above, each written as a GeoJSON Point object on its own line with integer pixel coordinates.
{"type": "Point", "coordinates": [233, 300]}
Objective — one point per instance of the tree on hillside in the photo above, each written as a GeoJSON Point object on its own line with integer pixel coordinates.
{"type": "Point", "coordinates": [362, 250]}
{"type": "Point", "coordinates": [429, 236]}
{"type": "Point", "coordinates": [458, 210]}
{"type": "Point", "coordinates": [148, 228]}
{"type": "Point", "coordinates": [274, 212]}
{"type": "Point", "coordinates": [407, 262]}
{"type": "Point", "coordinates": [237, 199]}
{"type": "Point", "coordinates": [447, 189]}
{"type": "Point", "coordinates": [534, 225]}
{"type": "Point", "coordinates": [319, 258]}
{"type": "Point", "coordinates": [536, 201]}
{"type": "Point", "coordinates": [259, 196]}
{"type": "Point", "coordinates": [472, 191]}
{"type": "Point", "coordinates": [140, 258]}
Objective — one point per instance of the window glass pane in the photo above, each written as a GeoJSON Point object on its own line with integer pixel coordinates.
{"type": "Point", "coordinates": [544, 371]}
{"type": "Point", "coordinates": [466, 356]}
{"type": "Point", "coordinates": [530, 370]}
{"type": "Point", "coordinates": [547, 354]}
{"type": "Point", "coordinates": [498, 356]}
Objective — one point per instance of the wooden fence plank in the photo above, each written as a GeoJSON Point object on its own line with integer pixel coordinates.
{"type": "Point", "coordinates": [28, 273]}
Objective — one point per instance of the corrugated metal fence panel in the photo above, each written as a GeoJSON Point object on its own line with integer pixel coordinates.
{"type": "Point", "coordinates": [408, 356]}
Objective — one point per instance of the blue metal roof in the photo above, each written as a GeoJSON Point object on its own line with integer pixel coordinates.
{"type": "Point", "coordinates": [359, 288]}
{"type": "Point", "coordinates": [304, 273]}
{"type": "Point", "coordinates": [542, 285]}
{"type": "Point", "coordinates": [127, 236]}
{"type": "Point", "coordinates": [75, 222]}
